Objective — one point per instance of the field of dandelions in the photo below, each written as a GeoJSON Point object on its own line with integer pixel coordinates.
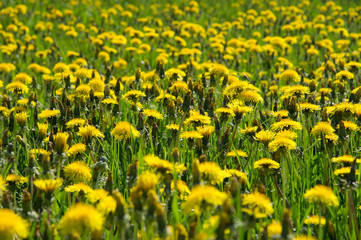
{"type": "Point", "coordinates": [180, 119]}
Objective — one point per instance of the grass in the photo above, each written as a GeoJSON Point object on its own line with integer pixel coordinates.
{"type": "Point", "coordinates": [216, 45]}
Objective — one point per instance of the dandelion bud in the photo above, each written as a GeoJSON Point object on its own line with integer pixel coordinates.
{"type": "Point", "coordinates": [162, 224]}
{"type": "Point", "coordinates": [109, 183]}
{"type": "Point", "coordinates": [117, 86]}
{"type": "Point", "coordinates": [204, 80]}
{"type": "Point", "coordinates": [187, 102]}
{"type": "Point", "coordinates": [140, 124]}
{"type": "Point", "coordinates": [171, 108]}
{"type": "Point", "coordinates": [286, 224]}
{"type": "Point", "coordinates": [202, 158]}
{"type": "Point", "coordinates": [212, 79]}
{"type": "Point", "coordinates": [190, 85]}
{"type": "Point", "coordinates": [175, 154]}
{"type": "Point", "coordinates": [20, 140]}
{"type": "Point", "coordinates": [106, 90]}
{"type": "Point", "coordinates": [61, 139]}
{"type": "Point", "coordinates": [27, 206]}
{"type": "Point", "coordinates": [91, 95]}
{"type": "Point", "coordinates": [6, 200]}
{"type": "Point", "coordinates": [161, 71]}
{"type": "Point", "coordinates": [312, 85]}
{"type": "Point", "coordinates": [67, 82]}
{"type": "Point", "coordinates": [5, 138]}
{"type": "Point", "coordinates": [11, 122]}
{"type": "Point", "coordinates": [108, 72]}
{"type": "Point", "coordinates": [207, 102]}
{"type": "Point", "coordinates": [132, 173]}
{"type": "Point", "coordinates": [341, 63]}
{"type": "Point", "coordinates": [212, 106]}
{"type": "Point", "coordinates": [331, 231]}
{"type": "Point", "coordinates": [225, 80]}
{"type": "Point", "coordinates": [324, 115]}
{"type": "Point", "coordinates": [292, 106]}
{"type": "Point", "coordinates": [120, 210]}
{"type": "Point", "coordinates": [137, 74]}
{"type": "Point", "coordinates": [225, 139]}
{"type": "Point", "coordinates": [181, 232]}
{"type": "Point", "coordinates": [5, 101]}
{"type": "Point", "coordinates": [43, 129]}
{"type": "Point", "coordinates": [195, 172]}
{"type": "Point", "coordinates": [234, 187]}
{"type": "Point", "coordinates": [341, 87]}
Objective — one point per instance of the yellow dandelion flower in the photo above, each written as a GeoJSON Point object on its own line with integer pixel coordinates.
{"type": "Point", "coordinates": [12, 226]}
{"type": "Point", "coordinates": [191, 135]}
{"type": "Point", "coordinates": [322, 129]}
{"type": "Point", "coordinates": [282, 144]}
{"type": "Point", "coordinates": [206, 130]}
{"type": "Point", "coordinates": [110, 101]}
{"type": "Point", "coordinates": [286, 124]}
{"type": "Point", "coordinates": [236, 153]}
{"type": "Point", "coordinates": [133, 95]}
{"type": "Point", "coordinates": [48, 113]}
{"type": "Point", "coordinates": [309, 107]}
{"type": "Point", "coordinates": [239, 111]}
{"type": "Point", "coordinates": [344, 171]}
{"type": "Point", "coordinates": [257, 204]}
{"type": "Point", "coordinates": [225, 111]}
{"type": "Point", "coordinates": [249, 130]}
{"type": "Point", "coordinates": [76, 122]}
{"type": "Point", "coordinates": [290, 75]}
{"type": "Point", "coordinates": [344, 74]}
{"type": "Point", "coordinates": [147, 181]}
{"type": "Point", "coordinates": [241, 176]}
{"type": "Point", "coordinates": [322, 195]}
{"type": "Point", "coordinates": [152, 113]}
{"type": "Point", "coordinates": [161, 165]}
{"type": "Point", "coordinates": [211, 172]}
{"type": "Point", "coordinates": [172, 127]}
{"type": "Point", "coordinates": [21, 118]}
{"type": "Point", "coordinates": [87, 132]}
{"type": "Point", "coordinates": [197, 119]}
{"type": "Point", "coordinates": [182, 189]}
{"type": "Point", "coordinates": [60, 68]}
{"type": "Point", "coordinates": [274, 229]}
{"type": "Point", "coordinates": [17, 87]}
{"type": "Point", "coordinates": [315, 220]}
{"type": "Point", "coordinates": [125, 131]}
{"type": "Point", "coordinates": [281, 114]}
{"type": "Point", "coordinates": [43, 129]}
{"type": "Point", "coordinates": [250, 96]}
{"type": "Point", "coordinates": [264, 136]}
{"type": "Point", "coordinates": [297, 91]}
{"type": "Point", "coordinates": [81, 219]}
{"type": "Point", "coordinates": [76, 149]}
{"type": "Point", "coordinates": [61, 139]}
{"type": "Point", "coordinates": [79, 187]}
{"type": "Point", "coordinates": [82, 73]}
{"type": "Point", "coordinates": [23, 77]}
{"type": "Point", "coordinates": [203, 198]}
{"type": "Point", "coordinates": [179, 86]}
{"type": "Point", "coordinates": [219, 70]}
{"type": "Point", "coordinates": [348, 125]}
{"type": "Point", "coordinates": [77, 172]}
{"type": "Point", "coordinates": [287, 134]}
{"type": "Point", "coordinates": [345, 159]}
{"type": "Point", "coordinates": [48, 185]}
{"type": "Point", "coordinates": [13, 178]}
{"type": "Point", "coordinates": [266, 163]}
